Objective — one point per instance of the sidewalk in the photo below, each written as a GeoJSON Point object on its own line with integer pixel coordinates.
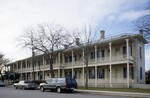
{"type": "Point", "coordinates": [128, 94]}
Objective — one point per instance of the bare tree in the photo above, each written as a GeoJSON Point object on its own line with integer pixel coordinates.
{"type": "Point", "coordinates": [3, 62]}
{"type": "Point", "coordinates": [143, 23]}
{"type": "Point", "coordinates": [47, 39]}
{"type": "Point", "coordinates": [87, 37]}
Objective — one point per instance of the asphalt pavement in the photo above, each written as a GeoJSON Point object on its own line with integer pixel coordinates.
{"type": "Point", "coordinates": [9, 92]}
{"type": "Point", "coordinates": [108, 93]}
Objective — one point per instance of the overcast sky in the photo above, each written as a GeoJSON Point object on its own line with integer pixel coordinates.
{"type": "Point", "coordinates": [114, 16]}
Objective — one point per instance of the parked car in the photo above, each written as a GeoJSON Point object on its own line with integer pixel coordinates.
{"type": "Point", "coordinates": [2, 84]}
{"type": "Point", "coordinates": [25, 84]}
{"type": "Point", "coordinates": [59, 84]}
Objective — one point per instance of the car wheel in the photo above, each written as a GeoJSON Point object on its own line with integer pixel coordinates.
{"type": "Point", "coordinates": [42, 89]}
{"type": "Point", "coordinates": [58, 90]}
{"type": "Point", "coordinates": [16, 87]}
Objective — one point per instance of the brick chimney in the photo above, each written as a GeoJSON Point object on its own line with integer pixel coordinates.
{"type": "Point", "coordinates": [77, 41]}
{"type": "Point", "coordinates": [141, 32]}
{"type": "Point", "coordinates": [102, 34]}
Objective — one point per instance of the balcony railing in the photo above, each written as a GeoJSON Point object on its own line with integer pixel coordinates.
{"type": "Point", "coordinates": [80, 63]}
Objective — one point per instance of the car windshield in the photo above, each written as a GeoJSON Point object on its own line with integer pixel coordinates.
{"type": "Point", "coordinates": [28, 81]}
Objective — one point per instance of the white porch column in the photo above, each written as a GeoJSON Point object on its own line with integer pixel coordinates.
{"type": "Point", "coordinates": [72, 64]}
{"type": "Point", "coordinates": [83, 75]}
{"type": "Point", "coordinates": [95, 54]}
{"type": "Point", "coordinates": [26, 62]}
{"type": "Point", "coordinates": [83, 55]}
{"type": "Point", "coordinates": [44, 60]}
{"type": "Point", "coordinates": [20, 65]}
{"type": "Point", "coordinates": [22, 76]}
{"type": "Point", "coordinates": [95, 76]}
{"type": "Point", "coordinates": [43, 75]}
{"type": "Point", "coordinates": [63, 61]}
{"type": "Point", "coordinates": [127, 45]}
{"type": "Point", "coordinates": [58, 65]}
{"type": "Point", "coordinates": [110, 73]}
{"type": "Point", "coordinates": [83, 80]}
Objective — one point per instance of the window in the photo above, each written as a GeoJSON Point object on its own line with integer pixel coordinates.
{"type": "Point", "coordinates": [140, 52]}
{"type": "Point", "coordinates": [75, 75]}
{"type": "Point", "coordinates": [92, 55]}
{"type": "Point", "coordinates": [101, 73]}
{"type": "Point", "coordinates": [66, 74]}
{"type": "Point", "coordinates": [91, 74]}
{"type": "Point", "coordinates": [130, 50]}
{"type": "Point", "coordinates": [103, 53]}
{"type": "Point", "coordinates": [75, 58]}
{"type": "Point", "coordinates": [125, 72]}
{"type": "Point", "coordinates": [19, 64]}
{"type": "Point", "coordinates": [66, 59]}
{"type": "Point", "coordinates": [70, 58]}
{"type": "Point", "coordinates": [124, 50]}
{"type": "Point", "coordinates": [47, 61]}
{"type": "Point", "coordinates": [53, 81]}
{"type": "Point", "coordinates": [40, 62]}
{"type": "Point", "coordinates": [98, 54]}
{"type": "Point", "coordinates": [28, 64]}
{"type": "Point", "coordinates": [132, 72]}
{"type": "Point", "coordinates": [141, 73]}
{"type": "Point", "coordinates": [54, 60]}
{"type": "Point", "coordinates": [70, 73]}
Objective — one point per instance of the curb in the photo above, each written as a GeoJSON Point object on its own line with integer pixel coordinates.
{"type": "Point", "coordinates": [127, 94]}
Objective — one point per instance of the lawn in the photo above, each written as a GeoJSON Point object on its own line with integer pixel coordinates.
{"type": "Point", "coordinates": [118, 89]}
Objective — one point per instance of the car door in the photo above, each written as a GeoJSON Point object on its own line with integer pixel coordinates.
{"type": "Point", "coordinates": [53, 83]}
{"type": "Point", "coordinates": [48, 83]}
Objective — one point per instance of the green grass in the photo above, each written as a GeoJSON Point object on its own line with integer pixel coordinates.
{"type": "Point", "coordinates": [118, 89]}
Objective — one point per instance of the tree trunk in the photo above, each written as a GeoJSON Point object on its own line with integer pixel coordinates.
{"type": "Point", "coordinates": [33, 63]}
{"type": "Point", "coordinates": [86, 82]}
{"type": "Point", "coordinates": [51, 68]}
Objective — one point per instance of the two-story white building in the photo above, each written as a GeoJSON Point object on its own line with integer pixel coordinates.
{"type": "Point", "coordinates": [116, 61]}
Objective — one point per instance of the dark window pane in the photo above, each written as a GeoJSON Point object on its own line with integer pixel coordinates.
{"type": "Point", "coordinates": [124, 50]}
{"type": "Point", "coordinates": [103, 53]}
{"type": "Point", "coordinates": [132, 72]}
{"type": "Point", "coordinates": [125, 72]}
{"type": "Point", "coordinates": [141, 73]}
{"type": "Point", "coordinates": [66, 59]}
{"type": "Point", "coordinates": [140, 52]}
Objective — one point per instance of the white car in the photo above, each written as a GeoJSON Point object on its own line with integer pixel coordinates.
{"type": "Point", "coordinates": [25, 84]}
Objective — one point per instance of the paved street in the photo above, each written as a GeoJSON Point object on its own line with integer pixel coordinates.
{"type": "Point", "coordinates": [9, 92]}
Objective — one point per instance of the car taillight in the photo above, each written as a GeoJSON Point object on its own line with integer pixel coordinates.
{"type": "Point", "coordinates": [66, 85]}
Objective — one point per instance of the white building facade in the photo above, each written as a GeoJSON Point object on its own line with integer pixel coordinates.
{"type": "Point", "coordinates": [117, 61]}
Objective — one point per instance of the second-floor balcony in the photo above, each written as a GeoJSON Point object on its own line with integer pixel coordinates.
{"type": "Point", "coordinates": [78, 63]}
